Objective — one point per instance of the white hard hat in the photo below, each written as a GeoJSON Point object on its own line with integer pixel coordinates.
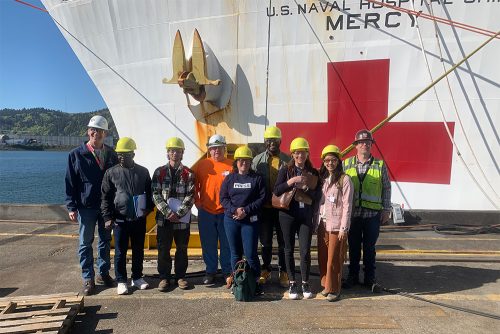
{"type": "Point", "coordinates": [216, 140]}
{"type": "Point", "coordinates": [98, 122]}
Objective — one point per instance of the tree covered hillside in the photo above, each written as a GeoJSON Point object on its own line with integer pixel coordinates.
{"type": "Point", "coordinates": [47, 122]}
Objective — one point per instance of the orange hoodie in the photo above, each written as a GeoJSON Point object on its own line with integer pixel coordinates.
{"type": "Point", "coordinates": [209, 176]}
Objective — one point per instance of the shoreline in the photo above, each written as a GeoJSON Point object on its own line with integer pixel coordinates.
{"type": "Point", "coordinates": [37, 149]}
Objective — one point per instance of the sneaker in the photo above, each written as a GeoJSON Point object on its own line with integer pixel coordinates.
{"type": "Point", "coordinates": [88, 287]}
{"type": "Point", "coordinates": [140, 284]}
{"type": "Point", "coordinates": [122, 289]}
{"type": "Point", "coordinates": [258, 290]}
{"type": "Point", "coordinates": [333, 296]}
{"type": "Point", "coordinates": [350, 282]}
{"type": "Point", "coordinates": [106, 280]}
{"type": "Point", "coordinates": [293, 291]}
{"type": "Point", "coordinates": [265, 276]}
{"type": "Point", "coordinates": [325, 293]}
{"type": "Point", "coordinates": [373, 285]}
{"type": "Point", "coordinates": [209, 279]}
{"type": "Point", "coordinates": [283, 278]}
{"type": "Point", "coordinates": [306, 290]}
{"type": "Point", "coordinates": [229, 282]}
{"type": "Point", "coordinates": [163, 286]}
{"type": "Point", "coordinates": [376, 288]}
{"type": "Point", "coordinates": [182, 283]}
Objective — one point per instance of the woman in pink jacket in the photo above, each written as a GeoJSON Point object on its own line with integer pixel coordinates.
{"type": "Point", "coordinates": [333, 221]}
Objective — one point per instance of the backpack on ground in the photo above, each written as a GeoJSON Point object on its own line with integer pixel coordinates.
{"type": "Point", "coordinates": [244, 283]}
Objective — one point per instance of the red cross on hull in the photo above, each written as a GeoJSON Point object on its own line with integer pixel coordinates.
{"type": "Point", "coordinates": [358, 93]}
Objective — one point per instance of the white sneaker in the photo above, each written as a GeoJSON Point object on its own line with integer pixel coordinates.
{"type": "Point", "coordinates": [306, 290]}
{"type": "Point", "coordinates": [140, 284]}
{"type": "Point", "coordinates": [293, 292]}
{"type": "Point", "coordinates": [122, 289]}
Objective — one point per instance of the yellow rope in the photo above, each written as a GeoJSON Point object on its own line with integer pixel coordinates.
{"type": "Point", "coordinates": [432, 84]}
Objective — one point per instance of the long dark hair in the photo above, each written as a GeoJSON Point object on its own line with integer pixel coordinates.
{"type": "Point", "coordinates": [235, 168]}
{"type": "Point", "coordinates": [308, 166]}
{"type": "Point", "coordinates": [337, 172]}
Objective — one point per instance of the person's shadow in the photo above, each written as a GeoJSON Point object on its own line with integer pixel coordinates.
{"type": "Point", "coordinates": [87, 320]}
{"type": "Point", "coordinates": [433, 279]}
{"type": "Point", "coordinates": [416, 279]}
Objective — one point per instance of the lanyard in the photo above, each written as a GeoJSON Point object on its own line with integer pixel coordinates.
{"type": "Point", "coordinates": [99, 162]}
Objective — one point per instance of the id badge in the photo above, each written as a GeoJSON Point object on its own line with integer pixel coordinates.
{"type": "Point", "coordinates": [301, 205]}
{"type": "Point", "coordinates": [253, 219]}
{"type": "Point", "coordinates": [331, 199]}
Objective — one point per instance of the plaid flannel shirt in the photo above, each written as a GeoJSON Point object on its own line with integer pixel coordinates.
{"type": "Point", "coordinates": [162, 187]}
{"type": "Point", "coordinates": [361, 212]}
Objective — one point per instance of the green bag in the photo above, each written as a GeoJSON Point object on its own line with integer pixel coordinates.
{"type": "Point", "coordinates": [244, 283]}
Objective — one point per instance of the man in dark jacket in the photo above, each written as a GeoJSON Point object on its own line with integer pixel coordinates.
{"type": "Point", "coordinates": [86, 166]}
{"type": "Point", "coordinates": [268, 164]}
{"type": "Point", "coordinates": [126, 201]}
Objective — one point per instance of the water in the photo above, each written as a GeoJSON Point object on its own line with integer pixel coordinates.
{"type": "Point", "coordinates": [29, 177]}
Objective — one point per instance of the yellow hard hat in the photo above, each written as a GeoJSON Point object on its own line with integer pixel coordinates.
{"type": "Point", "coordinates": [272, 132]}
{"type": "Point", "coordinates": [125, 144]}
{"type": "Point", "coordinates": [174, 142]}
{"type": "Point", "coordinates": [330, 149]}
{"type": "Point", "coordinates": [299, 144]}
{"type": "Point", "coordinates": [243, 152]}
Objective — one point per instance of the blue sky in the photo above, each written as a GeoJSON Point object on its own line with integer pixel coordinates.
{"type": "Point", "coordinates": [37, 66]}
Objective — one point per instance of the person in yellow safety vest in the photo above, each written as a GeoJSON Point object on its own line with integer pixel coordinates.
{"type": "Point", "coordinates": [268, 163]}
{"type": "Point", "coordinates": [372, 203]}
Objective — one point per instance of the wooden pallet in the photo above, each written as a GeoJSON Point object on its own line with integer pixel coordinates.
{"type": "Point", "coordinates": [39, 314]}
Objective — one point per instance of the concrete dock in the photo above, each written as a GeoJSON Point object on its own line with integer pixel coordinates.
{"type": "Point", "coordinates": [457, 278]}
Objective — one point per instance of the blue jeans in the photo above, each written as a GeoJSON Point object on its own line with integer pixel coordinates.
{"type": "Point", "coordinates": [243, 238]}
{"type": "Point", "coordinates": [135, 232]}
{"type": "Point", "coordinates": [88, 219]}
{"type": "Point", "coordinates": [211, 228]}
{"type": "Point", "coordinates": [365, 231]}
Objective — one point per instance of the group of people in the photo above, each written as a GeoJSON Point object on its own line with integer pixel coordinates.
{"type": "Point", "coordinates": [240, 202]}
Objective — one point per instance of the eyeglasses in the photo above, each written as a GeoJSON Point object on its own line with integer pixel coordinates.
{"type": "Point", "coordinates": [96, 130]}
{"type": "Point", "coordinates": [244, 161]}
{"type": "Point", "coordinates": [330, 161]}
{"type": "Point", "coordinates": [272, 140]}
{"type": "Point", "coordinates": [125, 154]}
{"type": "Point", "coordinates": [175, 150]}
{"type": "Point", "coordinates": [364, 142]}
{"type": "Point", "coordinates": [300, 152]}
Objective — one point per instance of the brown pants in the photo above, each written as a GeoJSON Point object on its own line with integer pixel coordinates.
{"type": "Point", "coordinates": [331, 255]}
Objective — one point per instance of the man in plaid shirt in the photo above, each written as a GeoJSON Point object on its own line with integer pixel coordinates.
{"type": "Point", "coordinates": [176, 181]}
{"type": "Point", "coordinates": [372, 205]}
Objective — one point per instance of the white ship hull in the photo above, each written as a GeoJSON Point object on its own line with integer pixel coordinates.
{"type": "Point", "coordinates": [334, 68]}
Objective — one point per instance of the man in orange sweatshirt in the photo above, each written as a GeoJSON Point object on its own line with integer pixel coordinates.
{"type": "Point", "coordinates": [209, 174]}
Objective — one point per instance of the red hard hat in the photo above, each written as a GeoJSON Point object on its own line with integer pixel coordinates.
{"type": "Point", "coordinates": [363, 135]}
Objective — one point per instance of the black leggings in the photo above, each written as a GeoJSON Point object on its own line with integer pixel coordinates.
{"type": "Point", "coordinates": [290, 226]}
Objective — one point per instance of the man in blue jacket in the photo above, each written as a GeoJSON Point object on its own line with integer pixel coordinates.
{"type": "Point", "coordinates": [85, 171]}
